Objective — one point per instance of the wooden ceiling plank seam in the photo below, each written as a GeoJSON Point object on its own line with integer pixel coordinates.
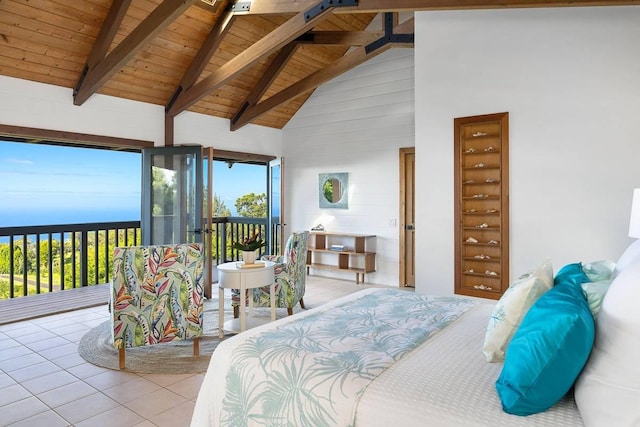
{"type": "Point", "coordinates": [105, 37]}
{"type": "Point", "coordinates": [275, 40]}
{"type": "Point", "coordinates": [350, 60]}
{"type": "Point", "coordinates": [59, 16]}
{"type": "Point", "coordinates": [91, 16]}
{"type": "Point", "coordinates": [47, 32]}
{"type": "Point", "coordinates": [202, 58]}
{"type": "Point", "coordinates": [36, 58]}
{"type": "Point", "coordinates": [157, 21]}
{"type": "Point", "coordinates": [267, 78]}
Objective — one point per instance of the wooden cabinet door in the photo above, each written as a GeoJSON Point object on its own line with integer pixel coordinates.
{"type": "Point", "coordinates": [481, 146]}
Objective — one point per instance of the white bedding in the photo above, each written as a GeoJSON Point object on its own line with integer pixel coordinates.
{"type": "Point", "coordinates": [443, 382]}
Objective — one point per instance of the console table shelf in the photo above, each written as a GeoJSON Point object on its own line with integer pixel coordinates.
{"type": "Point", "coordinates": [354, 259]}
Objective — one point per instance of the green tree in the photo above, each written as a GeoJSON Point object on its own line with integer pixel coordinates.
{"type": "Point", "coordinates": [163, 191]}
{"type": "Point", "coordinates": [252, 205]}
{"type": "Point", "coordinates": [219, 208]}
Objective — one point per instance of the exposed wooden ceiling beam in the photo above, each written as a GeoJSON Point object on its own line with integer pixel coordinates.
{"type": "Point", "coordinates": [345, 38]}
{"type": "Point", "coordinates": [267, 78]}
{"type": "Point", "coordinates": [273, 41]}
{"type": "Point", "coordinates": [343, 64]}
{"type": "Point", "coordinates": [200, 61]}
{"type": "Point", "coordinates": [108, 31]}
{"type": "Point", "coordinates": [368, 6]}
{"type": "Point", "coordinates": [148, 29]}
{"type": "Point", "coordinates": [348, 61]}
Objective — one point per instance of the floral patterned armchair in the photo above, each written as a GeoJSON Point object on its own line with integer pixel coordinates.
{"type": "Point", "coordinates": [156, 295]}
{"type": "Point", "coordinates": [290, 276]}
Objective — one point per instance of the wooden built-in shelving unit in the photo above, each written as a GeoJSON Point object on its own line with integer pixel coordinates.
{"type": "Point", "coordinates": [354, 258]}
{"type": "Point", "coordinates": [481, 145]}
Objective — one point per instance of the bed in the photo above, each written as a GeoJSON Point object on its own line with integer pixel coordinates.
{"type": "Point", "coordinates": [379, 357]}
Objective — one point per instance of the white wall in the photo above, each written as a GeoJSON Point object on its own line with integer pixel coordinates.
{"type": "Point", "coordinates": [355, 123]}
{"type": "Point", "coordinates": [37, 105]}
{"type": "Point", "coordinates": [569, 79]}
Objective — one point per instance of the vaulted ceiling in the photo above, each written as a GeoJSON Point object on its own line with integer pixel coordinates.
{"type": "Point", "coordinates": [248, 61]}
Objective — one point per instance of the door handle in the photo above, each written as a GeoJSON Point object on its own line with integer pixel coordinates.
{"type": "Point", "coordinates": [409, 227]}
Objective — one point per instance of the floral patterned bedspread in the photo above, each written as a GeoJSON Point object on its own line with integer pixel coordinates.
{"type": "Point", "coordinates": [311, 372]}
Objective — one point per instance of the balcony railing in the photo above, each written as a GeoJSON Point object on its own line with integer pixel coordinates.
{"type": "Point", "coordinates": [49, 258]}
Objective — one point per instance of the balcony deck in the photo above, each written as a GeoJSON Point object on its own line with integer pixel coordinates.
{"type": "Point", "coordinates": [34, 306]}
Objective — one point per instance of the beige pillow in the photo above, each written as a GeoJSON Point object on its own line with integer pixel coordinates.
{"type": "Point", "coordinates": [512, 307]}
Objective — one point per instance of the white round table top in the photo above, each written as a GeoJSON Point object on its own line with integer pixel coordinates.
{"type": "Point", "coordinates": [235, 266]}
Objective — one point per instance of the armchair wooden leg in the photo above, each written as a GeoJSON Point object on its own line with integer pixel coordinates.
{"type": "Point", "coordinates": [236, 312]}
{"type": "Point", "coordinates": [196, 347]}
{"type": "Point", "coordinates": [302, 304]}
{"type": "Point", "coordinates": [121, 358]}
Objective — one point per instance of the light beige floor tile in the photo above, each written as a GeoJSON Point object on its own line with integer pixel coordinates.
{"type": "Point", "coordinates": [48, 419]}
{"type": "Point", "coordinates": [63, 350]}
{"type": "Point", "coordinates": [13, 393]}
{"type": "Point", "coordinates": [48, 382]}
{"type": "Point", "coordinates": [67, 393]}
{"type": "Point", "coordinates": [165, 380]}
{"type": "Point", "coordinates": [13, 353]}
{"type": "Point", "coordinates": [130, 390]}
{"type": "Point", "coordinates": [109, 379]}
{"type": "Point", "coordinates": [145, 423]}
{"type": "Point", "coordinates": [180, 416]}
{"type": "Point", "coordinates": [21, 410]}
{"type": "Point", "coordinates": [86, 370]}
{"type": "Point", "coordinates": [86, 407]}
{"type": "Point", "coordinates": [18, 329]}
{"type": "Point", "coordinates": [33, 371]}
{"type": "Point", "coordinates": [116, 417]}
{"type": "Point", "coordinates": [40, 335]}
{"type": "Point", "coordinates": [7, 342]}
{"type": "Point", "coordinates": [189, 387]}
{"type": "Point", "coordinates": [6, 381]}
{"type": "Point", "coordinates": [152, 404]}
{"type": "Point", "coordinates": [75, 337]}
{"type": "Point", "coordinates": [69, 360]}
{"type": "Point", "coordinates": [28, 358]}
{"type": "Point", "coordinates": [48, 343]}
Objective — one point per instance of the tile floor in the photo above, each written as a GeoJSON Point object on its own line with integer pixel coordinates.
{"type": "Point", "coordinates": [45, 382]}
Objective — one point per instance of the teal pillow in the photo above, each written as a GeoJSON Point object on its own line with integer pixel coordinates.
{"type": "Point", "coordinates": [571, 273]}
{"type": "Point", "coordinates": [547, 351]}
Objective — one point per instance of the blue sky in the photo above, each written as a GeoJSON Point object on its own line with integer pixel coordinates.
{"type": "Point", "coordinates": [44, 184]}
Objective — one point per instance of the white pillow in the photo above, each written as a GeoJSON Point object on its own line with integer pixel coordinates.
{"type": "Point", "coordinates": [630, 255]}
{"type": "Point", "coordinates": [512, 307]}
{"type": "Point", "coordinates": [608, 389]}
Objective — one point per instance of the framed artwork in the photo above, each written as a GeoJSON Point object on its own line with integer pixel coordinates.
{"type": "Point", "coordinates": [333, 190]}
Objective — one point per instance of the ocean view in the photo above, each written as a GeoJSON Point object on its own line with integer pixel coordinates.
{"type": "Point", "coordinates": [65, 216]}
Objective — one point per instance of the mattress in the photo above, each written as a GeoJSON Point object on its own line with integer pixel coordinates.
{"type": "Point", "coordinates": [447, 382]}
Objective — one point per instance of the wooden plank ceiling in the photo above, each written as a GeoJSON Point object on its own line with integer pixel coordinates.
{"type": "Point", "coordinates": [248, 61]}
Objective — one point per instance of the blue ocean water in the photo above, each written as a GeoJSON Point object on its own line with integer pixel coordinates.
{"type": "Point", "coordinates": [63, 216]}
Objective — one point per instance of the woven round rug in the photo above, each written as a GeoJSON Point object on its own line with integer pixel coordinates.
{"type": "Point", "coordinates": [175, 357]}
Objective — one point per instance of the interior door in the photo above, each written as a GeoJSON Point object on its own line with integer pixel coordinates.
{"type": "Point", "coordinates": [407, 214]}
{"type": "Point", "coordinates": [171, 195]}
{"type": "Point", "coordinates": [275, 211]}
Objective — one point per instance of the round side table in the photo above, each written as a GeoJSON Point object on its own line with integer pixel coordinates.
{"type": "Point", "coordinates": [234, 275]}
